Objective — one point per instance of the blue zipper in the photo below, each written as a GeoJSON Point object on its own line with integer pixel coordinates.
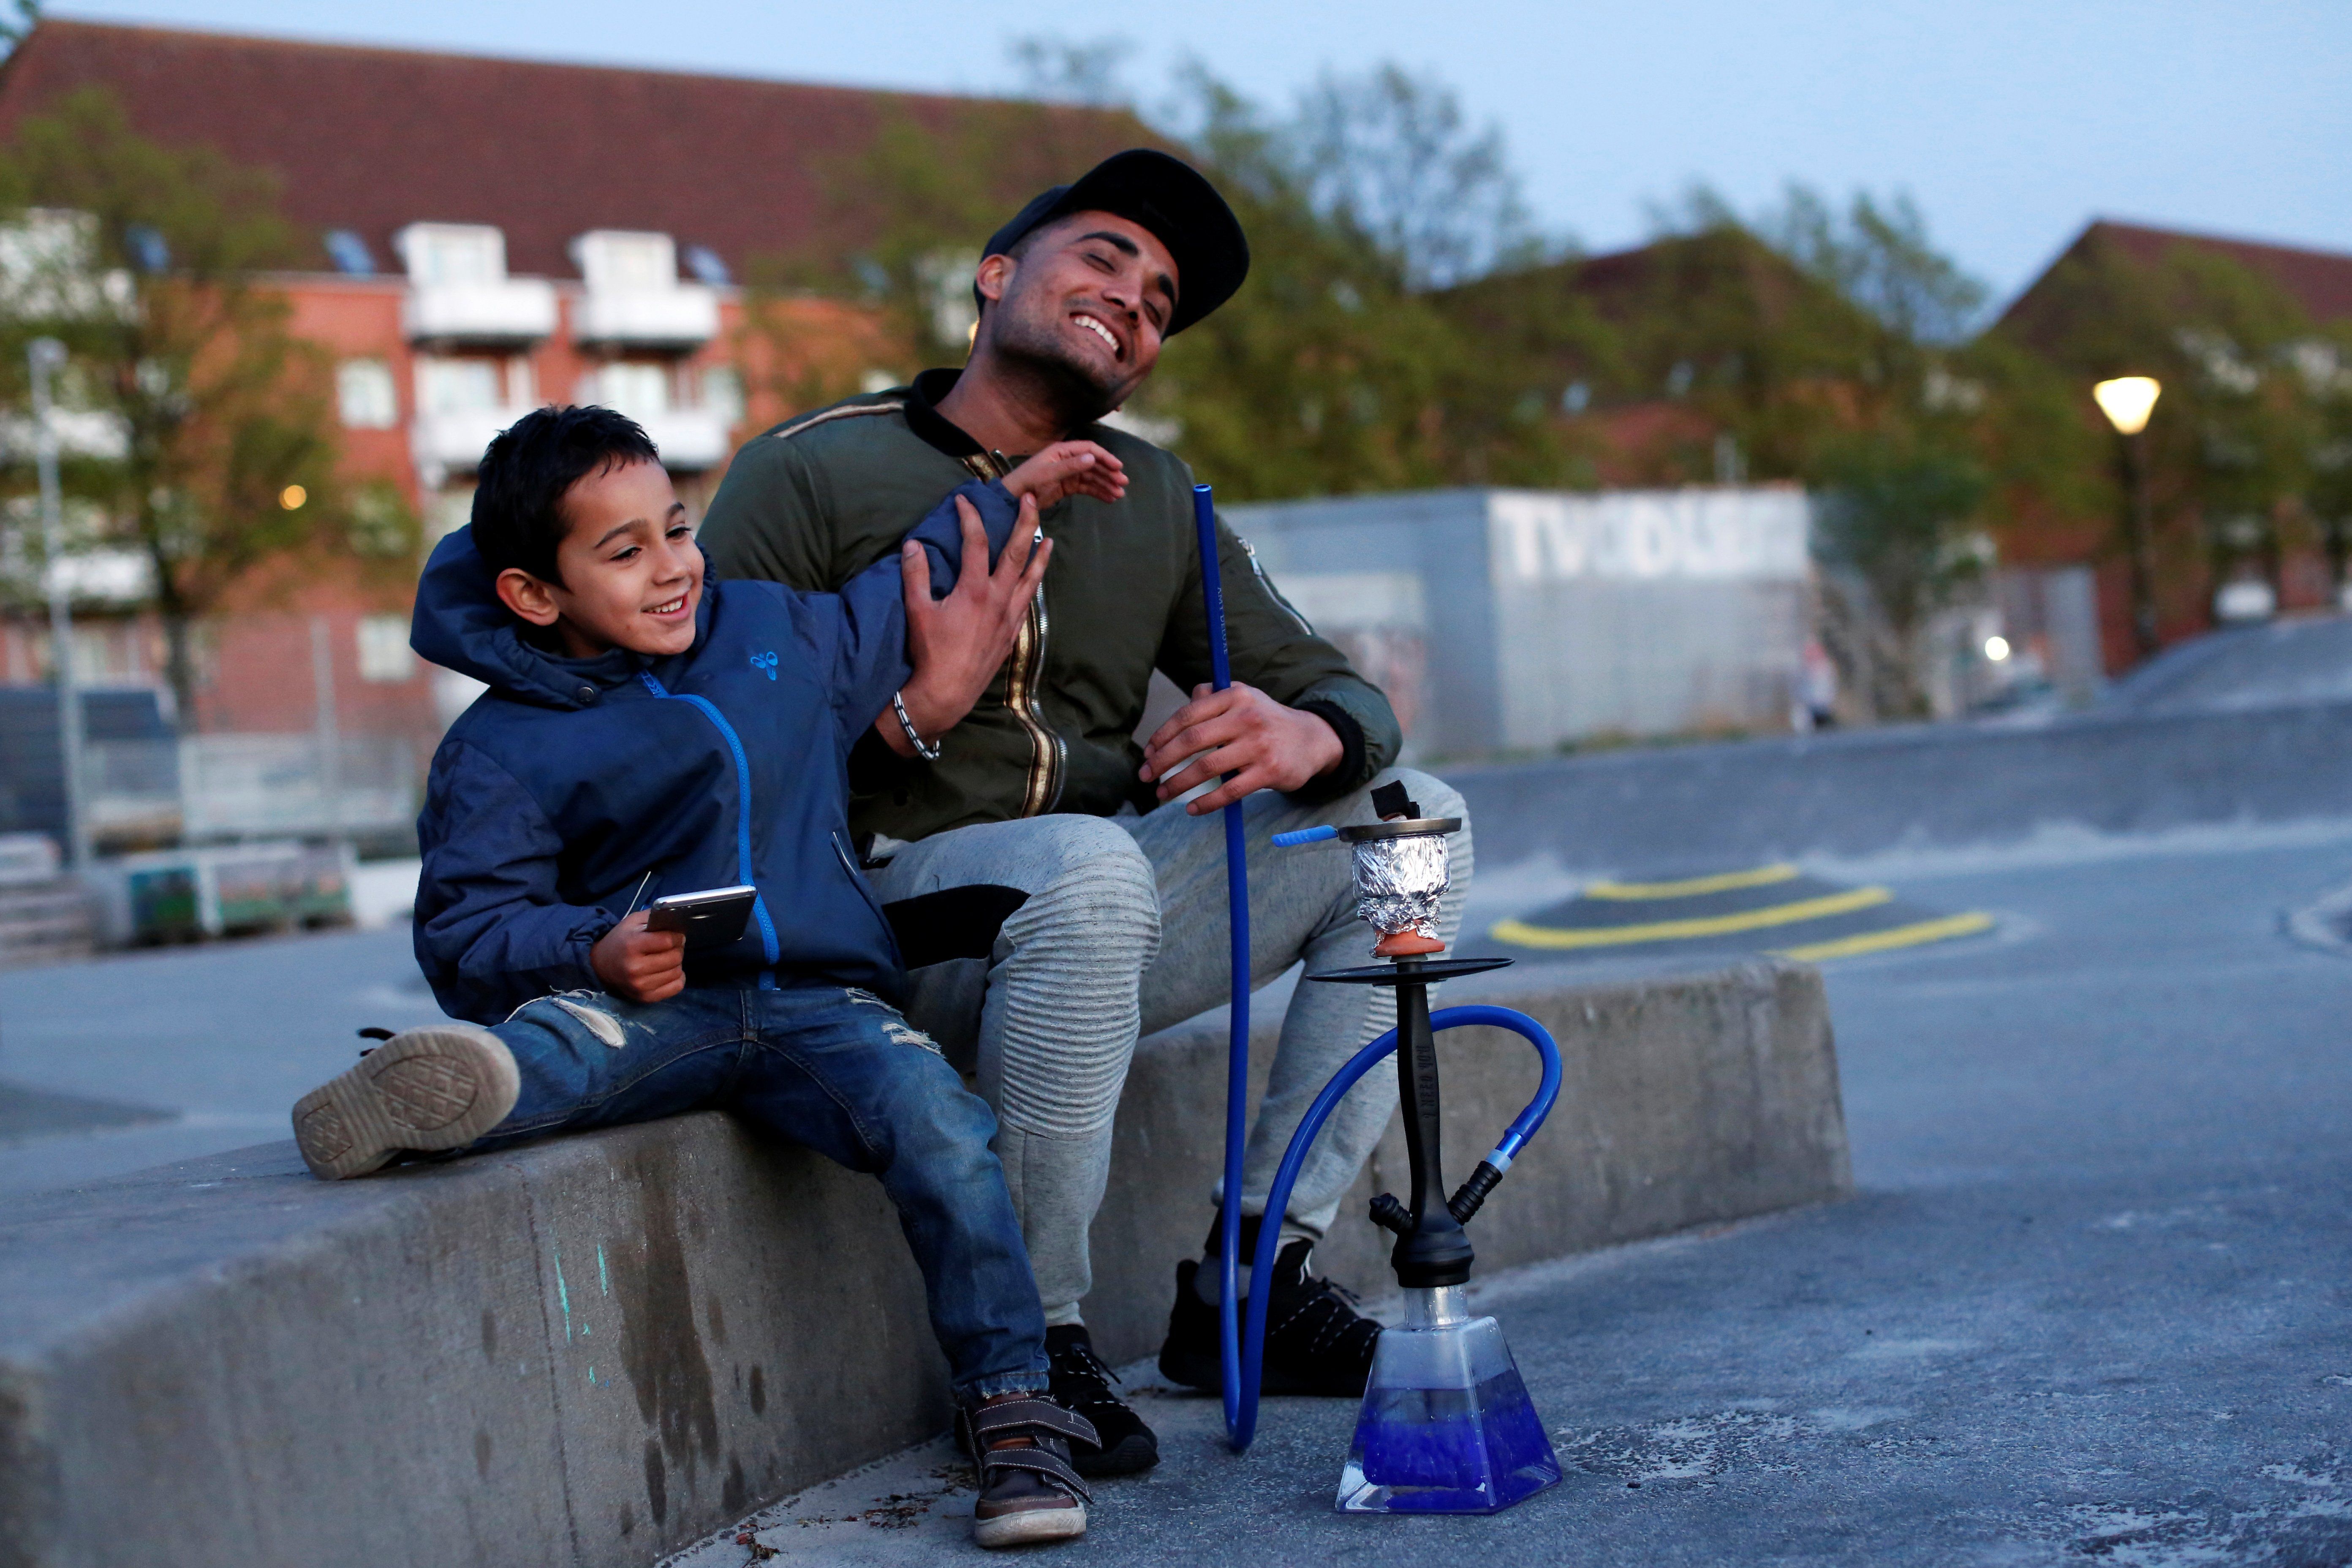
{"type": "Point", "coordinates": [767, 943]}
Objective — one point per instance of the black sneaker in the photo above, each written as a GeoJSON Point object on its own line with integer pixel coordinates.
{"type": "Point", "coordinates": [1316, 1341]}
{"type": "Point", "coordinates": [1082, 1384]}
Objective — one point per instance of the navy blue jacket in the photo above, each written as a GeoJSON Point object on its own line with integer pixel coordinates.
{"type": "Point", "coordinates": [564, 785]}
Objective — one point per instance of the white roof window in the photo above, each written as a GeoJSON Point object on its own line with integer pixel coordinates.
{"type": "Point", "coordinates": [635, 300]}
{"type": "Point", "coordinates": [626, 259]}
{"type": "Point", "coordinates": [443, 253]}
{"type": "Point", "coordinates": [48, 269]}
{"type": "Point", "coordinates": [459, 291]}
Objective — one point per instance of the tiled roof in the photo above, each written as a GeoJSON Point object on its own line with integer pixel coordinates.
{"type": "Point", "coordinates": [2320, 281]}
{"type": "Point", "coordinates": [371, 138]}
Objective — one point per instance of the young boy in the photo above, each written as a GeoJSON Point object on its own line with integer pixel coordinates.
{"type": "Point", "coordinates": [647, 731]}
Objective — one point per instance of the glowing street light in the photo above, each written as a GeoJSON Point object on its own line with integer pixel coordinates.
{"type": "Point", "coordinates": [2127, 401]}
{"type": "Point", "coordinates": [1996, 648]}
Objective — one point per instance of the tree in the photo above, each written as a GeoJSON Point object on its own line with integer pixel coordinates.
{"type": "Point", "coordinates": [1393, 158]}
{"type": "Point", "coordinates": [14, 27]}
{"type": "Point", "coordinates": [143, 261]}
{"type": "Point", "coordinates": [2239, 451]}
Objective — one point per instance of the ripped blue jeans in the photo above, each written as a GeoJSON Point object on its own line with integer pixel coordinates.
{"type": "Point", "coordinates": [836, 1070]}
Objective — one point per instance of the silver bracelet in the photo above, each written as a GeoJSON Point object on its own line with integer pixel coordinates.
{"type": "Point", "coordinates": [929, 752]}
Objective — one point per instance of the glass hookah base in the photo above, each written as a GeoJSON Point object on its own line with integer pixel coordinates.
{"type": "Point", "coordinates": [1447, 1451]}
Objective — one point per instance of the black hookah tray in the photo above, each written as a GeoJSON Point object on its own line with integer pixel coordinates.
{"type": "Point", "coordinates": [1427, 972]}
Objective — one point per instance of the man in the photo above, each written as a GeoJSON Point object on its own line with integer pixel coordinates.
{"type": "Point", "coordinates": [1050, 902]}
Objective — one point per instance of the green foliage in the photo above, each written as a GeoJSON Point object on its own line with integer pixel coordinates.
{"type": "Point", "coordinates": [1329, 372]}
{"type": "Point", "coordinates": [2245, 451]}
{"type": "Point", "coordinates": [23, 16]}
{"type": "Point", "coordinates": [173, 346]}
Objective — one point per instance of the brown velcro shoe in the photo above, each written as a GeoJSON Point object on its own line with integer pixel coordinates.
{"type": "Point", "coordinates": [440, 1087]}
{"type": "Point", "coordinates": [1028, 1492]}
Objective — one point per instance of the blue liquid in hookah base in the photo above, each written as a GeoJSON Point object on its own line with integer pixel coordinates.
{"type": "Point", "coordinates": [1450, 1450]}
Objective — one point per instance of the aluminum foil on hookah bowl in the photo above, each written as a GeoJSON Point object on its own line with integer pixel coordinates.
{"type": "Point", "coordinates": [1401, 872]}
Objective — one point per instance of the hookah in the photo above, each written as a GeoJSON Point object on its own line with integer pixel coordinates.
{"type": "Point", "coordinates": [1446, 1425]}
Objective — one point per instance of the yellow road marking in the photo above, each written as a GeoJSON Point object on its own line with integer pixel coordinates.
{"type": "Point", "coordinates": [1690, 887]}
{"type": "Point", "coordinates": [1521, 934]}
{"type": "Point", "coordinates": [1884, 940]}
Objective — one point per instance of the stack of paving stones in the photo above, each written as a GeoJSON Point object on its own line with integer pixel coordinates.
{"type": "Point", "coordinates": [44, 916]}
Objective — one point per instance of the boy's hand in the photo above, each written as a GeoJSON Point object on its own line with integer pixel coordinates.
{"type": "Point", "coordinates": [958, 644]}
{"type": "Point", "coordinates": [640, 965]}
{"type": "Point", "coordinates": [1068, 469]}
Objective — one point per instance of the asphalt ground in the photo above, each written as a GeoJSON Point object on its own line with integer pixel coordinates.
{"type": "Point", "coordinates": [1773, 907]}
{"type": "Point", "coordinates": [2090, 1306]}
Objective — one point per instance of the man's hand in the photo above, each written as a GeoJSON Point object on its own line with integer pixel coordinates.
{"type": "Point", "coordinates": [1068, 469]}
{"type": "Point", "coordinates": [1247, 735]}
{"type": "Point", "coordinates": [958, 644]}
{"type": "Point", "coordinates": [640, 965]}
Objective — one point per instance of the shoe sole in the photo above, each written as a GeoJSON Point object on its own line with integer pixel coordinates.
{"type": "Point", "coordinates": [1029, 1526]}
{"type": "Point", "coordinates": [426, 1090]}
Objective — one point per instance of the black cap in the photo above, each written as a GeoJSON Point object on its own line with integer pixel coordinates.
{"type": "Point", "coordinates": [1171, 199]}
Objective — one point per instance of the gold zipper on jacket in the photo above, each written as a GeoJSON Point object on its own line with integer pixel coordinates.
{"type": "Point", "coordinates": [1023, 680]}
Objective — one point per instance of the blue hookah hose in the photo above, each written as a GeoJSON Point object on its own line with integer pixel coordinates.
{"type": "Point", "coordinates": [1240, 1423]}
{"type": "Point", "coordinates": [1237, 1063]}
{"type": "Point", "coordinates": [1241, 1363]}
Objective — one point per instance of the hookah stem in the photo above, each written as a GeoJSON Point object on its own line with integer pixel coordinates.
{"type": "Point", "coordinates": [1417, 1090]}
{"type": "Point", "coordinates": [1229, 1239]}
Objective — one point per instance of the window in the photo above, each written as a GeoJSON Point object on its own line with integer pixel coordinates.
{"type": "Point", "coordinates": [383, 648]}
{"type": "Point", "coordinates": [522, 387]}
{"type": "Point", "coordinates": [453, 252]}
{"type": "Point", "coordinates": [639, 391]}
{"type": "Point", "coordinates": [722, 393]}
{"type": "Point", "coordinates": [447, 512]}
{"type": "Point", "coordinates": [616, 259]}
{"type": "Point", "coordinates": [456, 386]}
{"type": "Point", "coordinates": [366, 395]}
{"type": "Point", "coordinates": [350, 253]}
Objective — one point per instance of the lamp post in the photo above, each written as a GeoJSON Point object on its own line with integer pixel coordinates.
{"type": "Point", "coordinates": [2127, 401]}
{"type": "Point", "coordinates": [46, 355]}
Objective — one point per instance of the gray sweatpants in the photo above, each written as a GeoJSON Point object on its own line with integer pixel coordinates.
{"type": "Point", "coordinates": [1124, 930]}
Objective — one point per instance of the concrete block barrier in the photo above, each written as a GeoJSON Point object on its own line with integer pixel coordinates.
{"type": "Point", "coordinates": [1859, 791]}
{"type": "Point", "coordinates": [598, 1348]}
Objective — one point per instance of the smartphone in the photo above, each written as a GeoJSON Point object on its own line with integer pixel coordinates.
{"type": "Point", "coordinates": [711, 918]}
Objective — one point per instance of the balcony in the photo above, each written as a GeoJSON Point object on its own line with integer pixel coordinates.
{"type": "Point", "coordinates": [681, 317]}
{"type": "Point", "coordinates": [459, 293]}
{"type": "Point", "coordinates": [689, 439]}
{"type": "Point", "coordinates": [454, 439]}
{"type": "Point", "coordinates": [506, 312]}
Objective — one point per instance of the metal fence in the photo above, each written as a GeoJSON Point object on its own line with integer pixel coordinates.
{"type": "Point", "coordinates": [211, 787]}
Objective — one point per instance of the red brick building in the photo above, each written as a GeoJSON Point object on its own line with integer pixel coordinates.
{"type": "Point", "coordinates": [2126, 298]}
{"type": "Point", "coordinates": [493, 234]}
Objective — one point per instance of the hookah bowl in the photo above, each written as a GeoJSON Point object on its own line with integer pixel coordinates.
{"type": "Point", "coordinates": [1446, 1426]}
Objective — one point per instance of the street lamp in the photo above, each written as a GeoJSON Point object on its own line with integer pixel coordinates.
{"type": "Point", "coordinates": [44, 356]}
{"type": "Point", "coordinates": [2127, 401]}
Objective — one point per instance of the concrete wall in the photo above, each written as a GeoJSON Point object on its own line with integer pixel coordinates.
{"type": "Point", "coordinates": [1537, 617]}
{"type": "Point", "coordinates": [595, 1349]}
{"type": "Point", "coordinates": [1863, 791]}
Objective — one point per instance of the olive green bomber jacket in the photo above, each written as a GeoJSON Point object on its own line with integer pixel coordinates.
{"type": "Point", "coordinates": [820, 497]}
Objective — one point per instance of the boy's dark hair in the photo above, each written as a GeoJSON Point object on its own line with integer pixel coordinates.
{"type": "Point", "coordinates": [528, 468]}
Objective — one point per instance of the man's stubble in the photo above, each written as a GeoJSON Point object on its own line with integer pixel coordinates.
{"type": "Point", "coordinates": [1051, 375]}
